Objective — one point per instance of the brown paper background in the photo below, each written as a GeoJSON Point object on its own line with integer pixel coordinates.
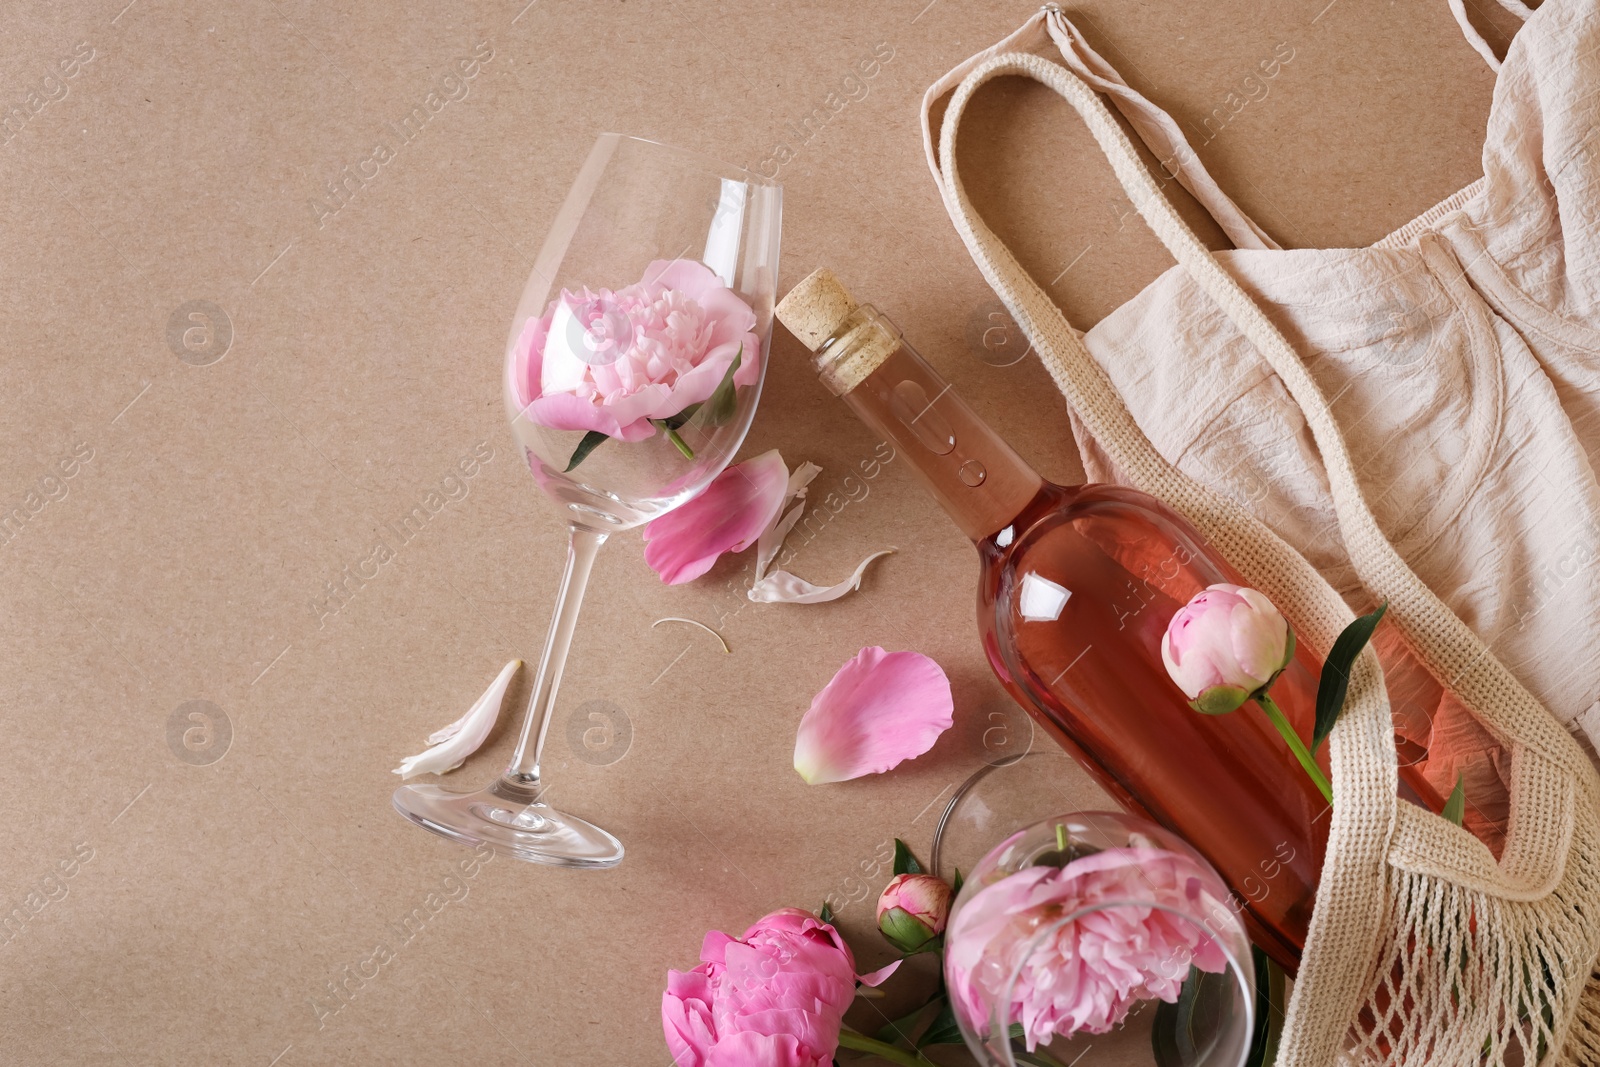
{"type": "Point", "coordinates": [219, 899]}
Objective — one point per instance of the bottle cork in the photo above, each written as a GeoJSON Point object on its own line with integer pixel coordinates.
{"type": "Point", "coordinates": [816, 308]}
{"type": "Point", "coordinates": [850, 340]}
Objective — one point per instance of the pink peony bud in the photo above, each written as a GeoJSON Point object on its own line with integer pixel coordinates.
{"type": "Point", "coordinates": [1226, 644]}
{"type": "Point", "coordinates": [912, 909]}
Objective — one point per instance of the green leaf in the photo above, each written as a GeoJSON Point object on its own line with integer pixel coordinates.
{"type": "Point", "coordinates": [1269, 1011]}
{"type": "Point", "coordinates": [673, 422]}
{"type": "Point", "coordinates": [904, 861]}
{"type": "Point", "coordinates": [1182, 1031]}
{"type": "Point", "coordinates": [955, 886]}
{"type": "Point", "coordinates": [721, 405]}
{"type": "Point", "coordinates": [1172, 1038]}
{"type": "Point", "coordinates": [826, 914]}
{"type": "Point", "coordinates": [590, 442]}
{"type": "Point", "coordinates": [904, 1029]}
{"type": "Point", "coordinates": [1335, 680]}
{"type": "Point", "coordinates": [943, 1030]}
{"type": "Point", "coordinates": [1455, 809]}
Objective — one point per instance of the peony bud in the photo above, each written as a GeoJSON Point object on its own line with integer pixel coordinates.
{"type": "Point", "coordinates": [913, 909]}
{"type": "Point", "coordinates": [1225, 645]}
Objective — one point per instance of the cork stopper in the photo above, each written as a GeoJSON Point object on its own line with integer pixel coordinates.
{"type": "Point", "coordinates": [850, 340]}
{"type": "Point", "coordinates": [815, 309]}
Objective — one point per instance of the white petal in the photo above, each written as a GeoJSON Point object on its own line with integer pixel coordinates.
{"type": "Point", "coordinates": [771, 538]}
{"type": "Point", "coordinates": [495, 692]}
{"type": "Point", "coordinates": [781, 587]}
{"type": "Point", "coordinates": [801, 477]}
{"type": "Point", "coordinates": [453, 744]}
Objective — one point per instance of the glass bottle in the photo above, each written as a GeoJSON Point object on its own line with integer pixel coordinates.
{"type": "Point", "coordinates": [1076, 586]}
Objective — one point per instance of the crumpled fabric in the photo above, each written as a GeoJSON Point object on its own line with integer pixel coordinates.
{"type": "Point", "coordinates": [1461, 356]}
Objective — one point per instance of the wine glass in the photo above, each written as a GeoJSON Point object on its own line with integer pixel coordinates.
{"type": "Point", "coordinates": [631, 374]}
{"type": "Point", "coordinates": [1099, 929]}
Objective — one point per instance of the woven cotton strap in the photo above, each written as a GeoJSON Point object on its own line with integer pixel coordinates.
{"type": "Point", "coordinates": [1402, 893]}
{"type": "Point", "coordinates": [1459, 9]}
{"type": "Point", "coordinates": [1160, 133]}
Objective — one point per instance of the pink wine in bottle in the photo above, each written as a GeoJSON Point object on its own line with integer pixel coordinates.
{"type": "Point", "coordinates": [1076, 587]}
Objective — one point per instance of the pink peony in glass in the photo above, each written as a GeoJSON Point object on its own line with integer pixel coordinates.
{"type": "Point", "coordinates": [1072, 926]}
{"type": "Point", "coordinates": [627, 363]}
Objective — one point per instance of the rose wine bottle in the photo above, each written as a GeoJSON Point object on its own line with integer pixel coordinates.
{"type": "Point", "coordinates": [1076, 587]}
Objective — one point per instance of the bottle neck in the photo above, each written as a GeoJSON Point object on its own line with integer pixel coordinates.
{"type": "Point", "coordinates": [967, 467]}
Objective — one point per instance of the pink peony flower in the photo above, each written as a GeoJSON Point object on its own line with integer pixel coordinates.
{"type": "Point", "coordinates": [729, 515]}
{"type": "Point", "coordinates": [912, 909]}
{"type": "Point", "coordinates": [1086, 974]}
{"type": "Point", "coordinates": [1225, 644]}
{"type": "Point", "coordinates": [880, 709]}
{"type": "Point", "coordinates": [612, 361]}
{"type": "Point", "coordinates": [773, 998]}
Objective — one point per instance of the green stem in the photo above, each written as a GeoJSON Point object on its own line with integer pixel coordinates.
{"type": "Point", "coordinates": [1292, 739]}
{"type": "Point", "coordinates": [682, 445]}
{"type": "Point", "coordinates": [883, 1050]}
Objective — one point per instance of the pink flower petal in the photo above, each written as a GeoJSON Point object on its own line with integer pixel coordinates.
{"type": "Point", "coordinates": [747, 1049]}
{"type": "Point", "coordinates": [672, 336]}
{"type": "Point", "coordinates": [727, 517]}
{"type": "Point", "coordinates": [880, 709]}
{"type": "Point", "coordinates": [774, 998]}
{"type": "Point", "coordinates": [530, 358]}
{"type": "Point", "coordinates": [750, 361]}
{"type": "Point", "coordinates": [881, 975]}
{"type": "Point", "coordinates": [1133, 913]}
{"type": "Point", "coordinates": [688, 276]}
{"type": "Point", "coordinates": [697, 385]}
{"type": "Point", "coordinates": [563, 411]}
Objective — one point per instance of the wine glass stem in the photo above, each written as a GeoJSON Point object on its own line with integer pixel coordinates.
{"type": "Point", "coordinates": [582, 545]}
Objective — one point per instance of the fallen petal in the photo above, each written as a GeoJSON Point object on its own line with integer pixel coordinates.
{"type": "Point", "coordinates": [494, 693]}
{"type": "Point", "coordinates": [453, 744]}
{"type": "Point", "coordinates": [880, 709]}
{"type": "Point", "coordinates": [772, 537]}
{"type": "Point", "coordinates": [728, 516]}
{"type": "Point", "coordinates": [781, 587]}
{"type": "Point", "coordinates": [879, 976]}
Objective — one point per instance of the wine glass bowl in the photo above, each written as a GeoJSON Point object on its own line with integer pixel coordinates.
{"type": "Point", "coordinates": [631, 374]}
{"type": "Point", "coordinates": [1099, 929]}
{"type": "Point", "coordinates": [636, 207]}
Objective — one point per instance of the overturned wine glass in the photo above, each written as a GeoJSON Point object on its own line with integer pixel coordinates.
{"type": "Point", "coordinates": [627, 392]}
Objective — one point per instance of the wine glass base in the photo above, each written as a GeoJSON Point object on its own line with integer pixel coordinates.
{"type": "Point", "coordinates": [533, 832]}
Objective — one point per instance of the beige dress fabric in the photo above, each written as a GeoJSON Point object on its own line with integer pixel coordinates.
{"type": "Point", "coordinates": [1411, 421]}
